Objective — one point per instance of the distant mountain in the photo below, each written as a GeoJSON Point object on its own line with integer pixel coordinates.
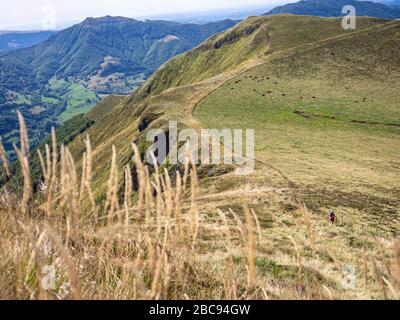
{"type": "Point", "coordinates": [333, 8]}
{"type": "Point", "coordinates": [394, 4]}
{"type": "Point", "coordinates": [64, 75]}
{"type": "Point", "coordinates": [11, 40]}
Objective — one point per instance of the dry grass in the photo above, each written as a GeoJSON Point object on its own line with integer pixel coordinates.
{"type": "Point", "coordinates": [154, 242]}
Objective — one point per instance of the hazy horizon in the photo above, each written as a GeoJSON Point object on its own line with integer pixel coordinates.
{"type": "Point", "coordinates": [56, 14]}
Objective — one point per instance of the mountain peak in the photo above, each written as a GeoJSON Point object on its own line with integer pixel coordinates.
{"type": "Point", "coordinates": [107, 19]}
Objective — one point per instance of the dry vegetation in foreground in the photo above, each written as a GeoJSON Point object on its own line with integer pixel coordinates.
{"type": "Point", "coordinates": [153, 243]}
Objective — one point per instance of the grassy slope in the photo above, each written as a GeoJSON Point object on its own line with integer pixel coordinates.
{"type": "Point", "coordinates": [117, 119]}
{"type": "Point", "coordinates": [335, 161]}
{"type": "Point", "coordinates": [175, 90]}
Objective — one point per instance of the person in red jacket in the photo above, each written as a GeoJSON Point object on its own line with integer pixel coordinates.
{"type": "Point", "coordinates": [332, 216]}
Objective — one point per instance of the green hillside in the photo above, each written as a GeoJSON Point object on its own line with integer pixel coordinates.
{"type": "Point", "coordinates": [323, 102]}
{"type": "Point", "coordinates": [327, 116]}
{"type": "Point", "coordinates": [10, 40]}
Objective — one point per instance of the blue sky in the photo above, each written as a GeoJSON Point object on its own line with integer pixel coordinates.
{"type": "Point", "coordinates": [33, 12]}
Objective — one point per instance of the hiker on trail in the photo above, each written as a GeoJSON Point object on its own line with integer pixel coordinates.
{"type": "Point", "coordinates": [332, 216]}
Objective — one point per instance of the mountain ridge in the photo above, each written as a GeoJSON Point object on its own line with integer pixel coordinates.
{"type": "Point", "coordinates": [333, 8]}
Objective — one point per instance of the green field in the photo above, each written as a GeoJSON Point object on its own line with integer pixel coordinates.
{"type": "Point", "coordinates": [50, 100]}
{"type": "Point", "coordinates": [78, 99]}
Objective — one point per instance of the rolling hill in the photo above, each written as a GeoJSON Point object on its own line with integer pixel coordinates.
{"type": "Point", "coordinates": [64, 75]}
{"type": "Point", "coordinates": [333, 8]}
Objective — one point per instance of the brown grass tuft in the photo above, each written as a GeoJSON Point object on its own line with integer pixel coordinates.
{"type": "Point", "coordinates": [159, 242]}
